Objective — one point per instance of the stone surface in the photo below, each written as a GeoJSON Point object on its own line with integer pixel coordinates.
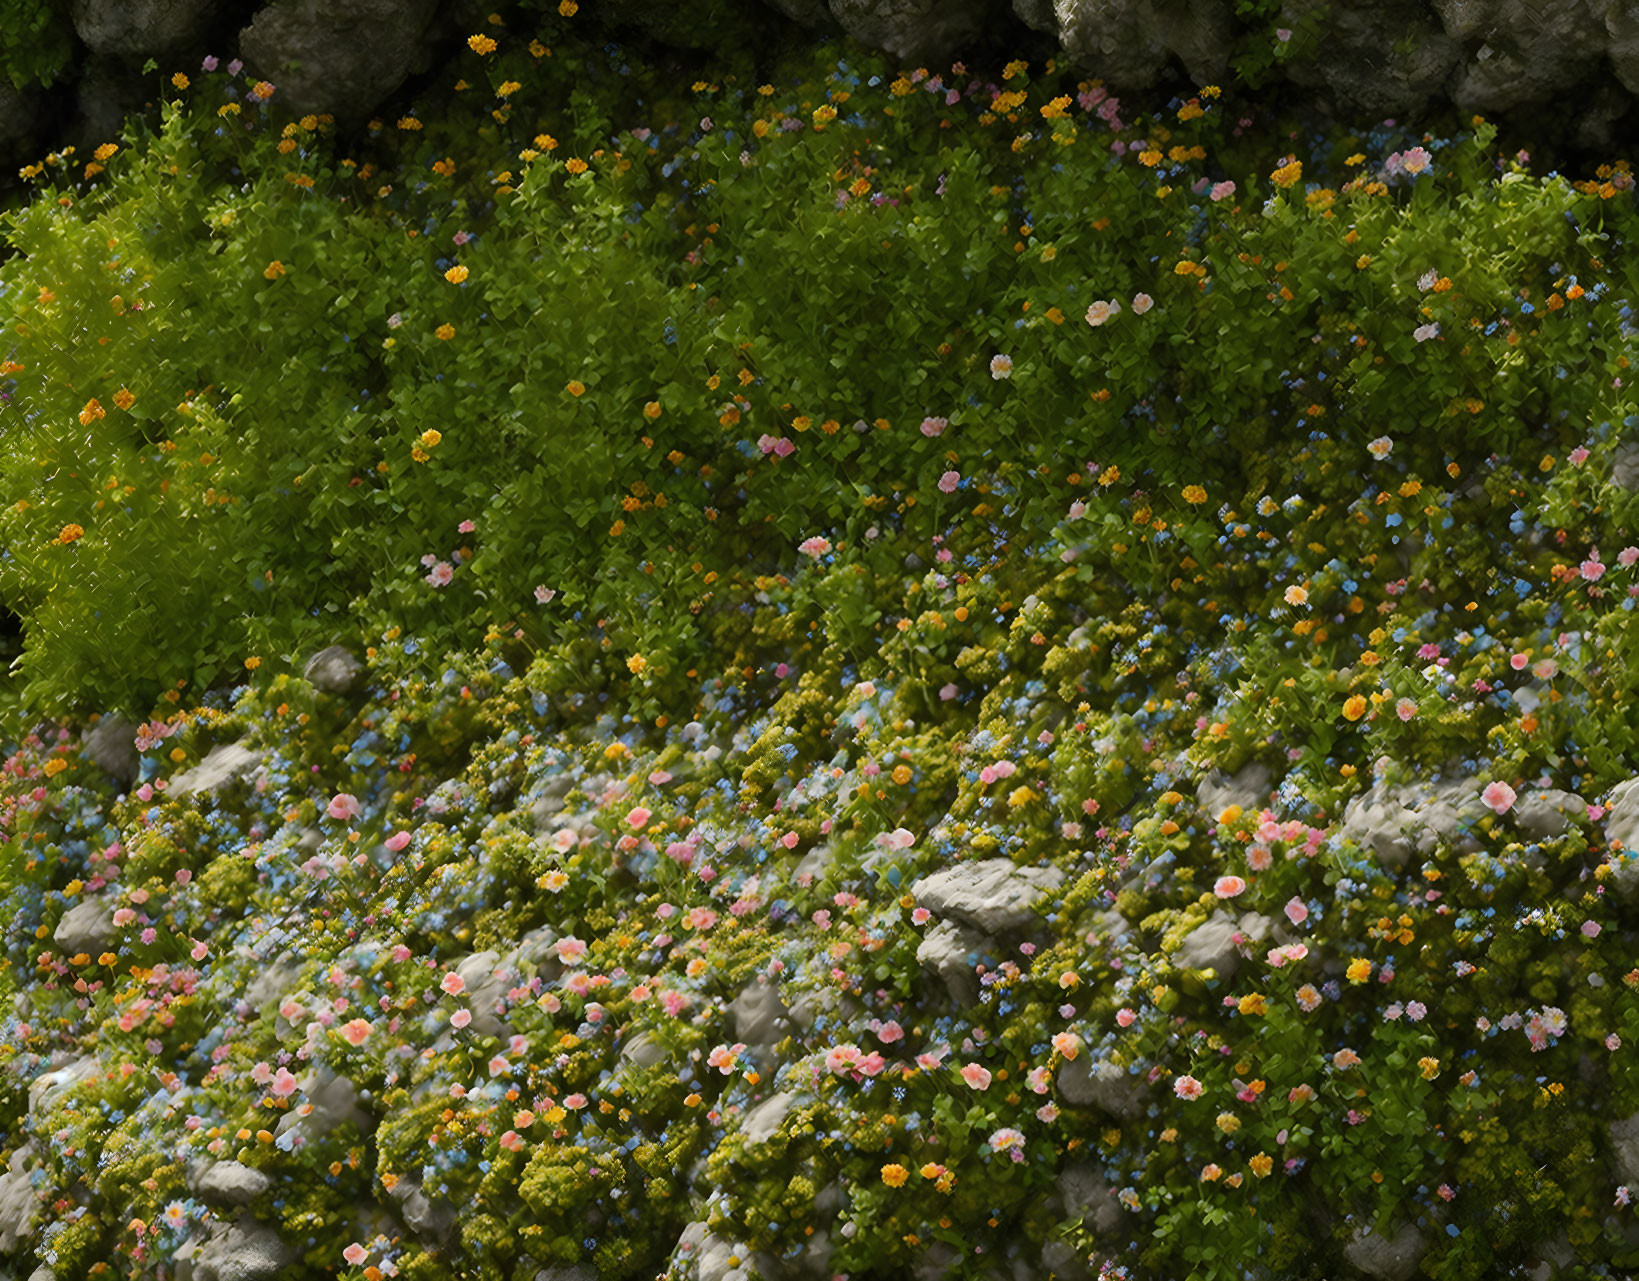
{"type": "Point", "coordinates": [1063, 1261]}
{"type": "Point", "coordinates": [1362, 73]}
{"type": "Point", "coordinates": [992, 895]}
{"type": "Point", "coordinates": [342, 57]}
{"type": "Point", "coordinates": [1527, 50]}
{"type": "Point", "coordinates": [643, 1050]}
{"type": "Point", "coordinates": [433, 1219]}
{"type": "Point", "coordinates": [111, 742]}
{"type": "Point", "coordinates": [951, 951]}
{"type": "Point", "coordinates": [1104, 1085]}
{"type": "Point", "coordinates": [1249, 788]}
{"type": "Point", "coordinates": [1622, 825]}
{"type": "Point", "coordinates": [1211, 945]}
{"type": "Point", "coordinates": [1393, 821]}
{"type": "Point", "coordinates": [247, 1251]}
{"type": "Point", "coordinates": [334, 670]}
{"type": "Point", "coordinates": [567, 1272]}
{"type": "Point", "coordinates": [64, 1075]}
{"type": "Point", "coordinates": [913, 31]}
{"type": "Point", "coordinates": [19, 1207]}
{"type": "Point", "coordinates": [335, 1102]}
{"type": "Point", "coordinates": [487, 983]}
{"type": "Point", "coordinates": [760, 1017]}
{"type": "Point", "coordinates": [1546, 812]}
{"type": "Point", "coordinates": [228, 1183]}
{"type": "Point", "coordinates": [1084, 1192]}
{"type": "Point", "coordinates": [86, 927]}
{"type": "Point", "coordinates": [224, 764]}
{"type": "Point", "coordinates": [1625, 1144]}
{"type": "Point", "coordinates": [1131, 44]}
{"type": "Point", "coordinates": [139, 27]}
{"type": "Point", "coordinates": [711, 1254]}
{"type": "Point", "coordinates": [763, 1121]}
{"type": "Point", "coordinates": [1385, 1258]}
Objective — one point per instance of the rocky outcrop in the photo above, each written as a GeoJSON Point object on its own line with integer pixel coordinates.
{"type": "Point", "coordinates": [992, 895]}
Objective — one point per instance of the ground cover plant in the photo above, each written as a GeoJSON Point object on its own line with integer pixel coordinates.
{"type": "Point", "coordinates": [998, 692]}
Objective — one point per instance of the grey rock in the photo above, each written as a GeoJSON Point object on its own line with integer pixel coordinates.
{"type": "Point", "coordinates": [139, 27]}
{"type": "Point", "coordinates": [567, 1272]}
{"type": "Point", "coordinates": [111, 743]}
{"type": "Point", "coordinates": [763, 1121]}
{"type": "Point", "coordinates": [1039, 15]}
{"type": "Point", "coordinates": [815, 863]}
{"type": "Point", "coordinates": [224, 764]}
{"type": "Point", "coordinates": [340, 57]}
{"type": "Point", "coordinates": [1625, 1145]}
{"type": "Point", "coordinates": [1249, 788]}
{"type": "Point", "coordinates": [913, 31]}
{"type": "Point", "coordinates": [936, 1264]}
{"type": "Point", "coordinates": [1384, 1258]}
{"type": "Point", "coordinates": [1211, 946]}
{"type": "Point", "coordinates": [48, 1087]}
{"type": "Point", "coordinates": [1555, 1255]}
{"type": "Point", "coordinates": [759, 1014]}
{"type": "Point", "coordinates": [952, 951]}
{"type": "Point", "coordinates": [1131, 43]}
{"type": "Point", "coordinates": [229, 1183]}
{"type": "Point", "coordinates": [1622, 827]}
{"type": "Point", "coordinates": [86, 927]}
{"type": "Point", "coordinates": [1104, 1085]}
{"type": "Point", "coordinates": [547, 803]}
{"type": "Point", "coordinates": [272, 982]}
{"type": "Point", "coordinates": [1366, 75]}
{"type": "Point", "coordinates": [487, 983]}
{"type": "Point", "coordinates": [992, 895]}
{"type": "Point", "coordinates": [333, 670]}
{"type": "Point", "coordinates": [1625, 461]}
{"type": "Point", "coordinates": [711, 1254]}
{"type": "Point", "coordinates": [434, 1220]}
{"type": "Point", "coordinates": [1530, 52]}
{"type": "Point", "coordinates": [1546, 812]}
{"type": "Point", "coordinates": [335, 1102]}
{"type": "Point", "coordinates": [1061, 1260]}
{"type": "Point", "coordinates": [1394, 821]}
{"type": "Point", "coordinates": [247, 1251]}
{"type": "Point", "coordinates": [1085, 1192]}
{"type": "Point", "coordinates": [643, 1050]}
{"type": "Point", "coordinates": [19, 1206]}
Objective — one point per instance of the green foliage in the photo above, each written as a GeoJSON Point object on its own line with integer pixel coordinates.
{"type": "Point", "coordinates": [36, 41]}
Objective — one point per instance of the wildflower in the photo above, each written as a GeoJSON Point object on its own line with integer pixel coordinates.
{"type": "Point", "coordinates": [575, 165]}
{"type": "Point", "coordinates": [1424, 332]}
{"type": "Point", "coordinates": [638, 817]}
{"type": "Point", "coordinates": [949, 482]}
{"type": "Point", "coordinates": [1260, 1165]}
{"type": "Point", "coordinates": [1228, 1122]}
{"type": "Point", "coordinates": [1430, 1067]}
{"type": "Point", "coordinates": [977, 1077]}
{"type": "Point", "coordinates": [1380, 448]}
{"type": "Point", "coordinates": [1300, 1093]}
{"type": "Point", "coordinates": [1415, 161]}
{"type": "Point", "coordinates": [1211, 1173]}
{"type": "Point", "coordinates": [356, 1032]}
{"type": "Point", "coordinates": [1405, 709]}
{"type": "Point", "coordinates": [343, 806]}
{"type": "Point", "coordinates": [1001, 367]}
{"type": "Point", "coordinates": [934, 426]}
{"type": "Point", "coordinates": [453, 984]}
{"type": "Point", "coordinates": [815, 547]}
{"type": "Point", "coordinates": [1345, 1059]}
{"type": "Point", "coordinates": [1287, 174]}
{"type": "Point", "coordinates": [445, 332]}
{"type": "Point", "coordinates": [841, 1058]}
{"type": "Point", "coordinates": [1296, 596]}
{"type": "Point", "coordinates": [460, 1019]}
{"type": "Point", "coordinates": [1354, 707]}
{"type": "Point", "coordinates": [1125, 1017]}
{"type": "Point", "coordinates": [1308, 998]}
{"type": "Point", "coordinates": [1499, 796]}
{"type": "Point", "coordinates": [1229, 886]}
{"type": "Point", "coordinates": [1006, 1140]}
{"type": "Point", "coordinates": [481, 44]}
{"type": "Point", "coordinates": [894, 1175]}
{"type": "Point", "coordinates": [1296, 912]}
{"type": "Point", "coordinates": [455, 275]}
{"type": "Point", "coordinates": [1101, 311]}
{"type": "Point", "coordinates": [1360, 969]}
{"type": "Point", "coordinates": [1068, 1044]}
{"type": "Point", "coordinates": [1142, 303]}
{"type": "Point", "coordinates": [284, 1084]}
{"type": "Point", "coordinates": [1187, 1087]}
{"type": "Point", "coordinates": [1194, 494]}
{"type": "Point", "coordinates": [1222, 191]}
{"type": "Point", "coordinates": [355, 1254]}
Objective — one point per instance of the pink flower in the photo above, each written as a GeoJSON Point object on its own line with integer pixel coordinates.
{"type": "Point", "coordinates": [1405, 709]}
{"type": "Point", "coordinates": [460, 1018]}
{"type": "Point", "coordinates": [454, 984]}
{"type": "Point", "coordinates": [1142, 303]}
{"type": "Point", "coordinates": [200, 951]}
{"type": "Point", "coordinates": [575, 1102]}
{"type": "Point", "coordinates": [871, 1064]}
{"type": "Point", "coordinates": [343, 807]}
{"type": "Point", "coordinates": [544, 594]}
{"type": "Point", "coordinates": [1627, 556]}
{"type": "Point", "coordinates": [355, 1254]}
{"type": "Point", "coordinates": [934, 426]}
{"type": "Point", "coordinates": [498, 1066]}
{"type": "Point", "coordinates": [1283, 34]}
{"type": "Point", "coordinates": [1229, 886]}
{"type": "Point", "coordinates": [949, 481]}
{"type": "Point", "coordinates": [890, 1032]}
{"type": "Point", "coordinates": [570, 950]}
{"type": "Point", "coordinates": [1590, 929]}
{"type": "Point", "coordinates": [815, 547]}
{"type": "Point", "coordinates": [356, 1032]}
{"type": "Point", "coordinates": [1187, 1087]}
{"type": "Point", "coordinates": [841, 1058]}
{"type": "Point", "coordinates": [920, 916]}
{"type": "Point", "coordinates": [638, 817]}
{"type": "Point", "coordinates": [1519, 662]}
{"type": "Point", "coordinates": [977, 1077]}
{"type": "Point", "coordinates": [1592, 570]}
{"type": "Point", "coordinates": [290, 1011]}
{"type": "Point", "coordinates": [1345, 1059]}
{"type": "Point", "coordinates": [1101, 311]}
{"type": "Point", "coordinates": [1578, 456]}
{"type": "Point", "coordinates": [1380, 448]}
{"type": "Point", "coordinates": [441, 574]}
{"type": "Point", "coordinates": [284, 1085]}
{"type": "Point", "coordinates": [511, 1141]}
{"type": "Point", "coordinates": [1499, 796]}
{"type": "Point", "coordinates": [1125, 1017]}
{"type": "Point", "coordinates": [261, 1074]}
{"type": "Point", "coordinates": [397, 841]}
{"type": "Point", "coordinates": [1222, 190]}
{"type": "Point", "coordinates": [466, 527]}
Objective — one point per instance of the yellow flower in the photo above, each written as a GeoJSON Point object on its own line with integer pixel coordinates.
{"type": "Point", "coordinates": [445, 332]}
{"type": "Point", "coordinates": [431, 437]}
{"type": "Point", "coordinates": [1286, 175]}
{"type": "Point", "coordinates": [70, 533]}
{"type": "Point", "coordinates": [1228, 1122]}
{"type": "Point", "coordinates": [455, 275]}
{"type": "Point", "coordinates": [1430, 1066]}
{"type": "Point", "coordinates": [124, 398]}
{"type": "Point", "coordinates": [1354, 707]}
{"type": "Point", "coordinates": [180, 80]}
{"type": "Point", "coordinates": [575, 165]}
{"type": "Point", "coordinates": [106, 150]}
{"type": "Point", "coordinates": [576, 388]}
{"type": "Point", "coordinates": [1359, 970]}
{"type": "Point", "coordinates": [252, 663]}
{"type": "Point", "coordinates": [568, 8]}
{"type": "Point", "coordinates": [1020, 796]}
{"type": "Point", "coordinates": [651, 411]}
{"type": "Point", "coordinates": [93, 410]}
{"type": "Point", "coordinates": [481, 44]}
{"type": "Point", "coordinates": [508, 88]}
{"type": "Point", "coordinates": [636, 663]}
{"type": "Point", "coordinates": [895, 1175]}
{"type": "Point", "coordinates": [1261, 1165]}
{"type": "Point", "coordinates": [1194, 494]}
{"type": "Point", "coordinates": [55, 766]}
{"type": "Point", "coordinates": [274, 270]}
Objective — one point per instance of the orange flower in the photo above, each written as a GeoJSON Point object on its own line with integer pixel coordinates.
{"type": "Point", "coordinates": [445, 332]}
{"type": "Point", "coordinates": [70, 533]}
{"type": "Point", "coordinates": [576, 388]}
{"type": "Point", "coordinates": [894, 1175]}
{"type": "Point", "coordinates": [274, 270]}
{"type": "Point", "coordinates": [1354, 707]}
{"type": "Point", "coordinates": [575, 165]}
{"type": "Point", "coordinates": [481, 44]}
{"type": "Point", "coordinates": [124, 398]}
{"type": "Point", "coordinates": [455, 275]}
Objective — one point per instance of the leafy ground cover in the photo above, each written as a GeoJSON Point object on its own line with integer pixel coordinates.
{"type": "Point", "coordinates": [749, 518]}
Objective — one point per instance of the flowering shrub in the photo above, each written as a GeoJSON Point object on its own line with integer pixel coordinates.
{"type": "Point", "coordinates": [1017, 582]}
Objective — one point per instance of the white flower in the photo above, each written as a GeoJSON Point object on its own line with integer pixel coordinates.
{"type": "Point", "coordinates": [1380, 448]}
{"type": "Point", "coordinates": [1001, 367]}
{"type": "Point", "coordinates": [1425, 332]}
{"type": "Point", "coordinates": [1142, 303]}
{"type": "Point", "coordinates": [1101, 311]}
{"type": "Point", "coordinates": [1425, 282]}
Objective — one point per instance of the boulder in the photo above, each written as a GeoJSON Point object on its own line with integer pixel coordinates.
{"type": "Point", "coordinates": [333, 670]}
{"type": "Point", "coordinates": [111, 743]}
{"type": "Point", "coordinates": [432, 1219]}
{"type": "Point", "coordinates": [1083, 1083]}
{"type": "Point", "coordinates": [760, 1017]}
{"type": "Point", "coordinates": [1625, 461]}
{"type": "Point", "coordinates": [1084, 1192]}
{"type": "Point", "coordinates": [1393, 822]}
{"type": "Point", "coordinates": [711, 1254]}
{"type": "Point", "coordinates": [247, 1251]}
{"type": "Point", "coordinates": [643, 1050]}
{"type": "Point", "coordinates": [1131, 44]}
{"type": "Point", "coordinates": [1527, 53]}
{"type": "Point", "coordinates": [1211, 946]}
{"type": "Point", "coordinates": [19, 1206]}
{"type": "Point", "coordinates": [567, 1272]}
{"type": "Point", "coordinates": [1365, 74]}
{"type": "Point", "coordinates": [952, 951]}
{"type": "Point", "coordinates": [1622, 826]}
{"type": "Point", "coordinates": [1625, 1145]}
{"type": "Point", "coordinates": [64, 1075]}
{"type": "Point", "coordinates": [1249, 788]}
{"type": "Point", "coordinates": [914, 32]}
{"type": "Point", "coordinates": [488, 982]}
{"type": "Point", "coordinates": [763, 1122]}
{"type": "Point", "coordinates": [86, 927]}
{"type": "Point", "coordinates": [992, 895]}
{"type": "Point", "coordinates": [1386, 1258]}
{"type": "Point", "coordinates": [224, 764]}
{"type": "Point", "coordinates": [230, 1184]}
{"type": "Point", "coordinates": [1546, 812]}
{"type": "Point", "coordinates": [334, 1102]}
{"type": "Point", "coordinates": [340, 57]}
{"type": "Point", "coordinates": [135, 28]}
{"type": "Point", "coordinates": [1061, 1261]}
